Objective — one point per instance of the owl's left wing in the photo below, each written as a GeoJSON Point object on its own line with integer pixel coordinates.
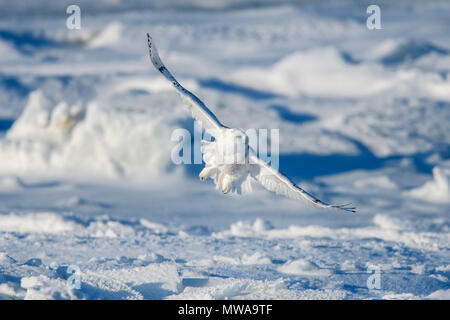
{"type": "Point", "coordinates": [199, 110]}
{"type": "Point", "coordinates": [278, 183]}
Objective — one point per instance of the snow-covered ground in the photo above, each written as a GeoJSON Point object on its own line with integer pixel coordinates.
{"type": "Point", "coordinates": [87, 184]}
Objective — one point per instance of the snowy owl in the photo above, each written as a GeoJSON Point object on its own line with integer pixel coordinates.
{"type": "Point", "coordinates": [229, 159]}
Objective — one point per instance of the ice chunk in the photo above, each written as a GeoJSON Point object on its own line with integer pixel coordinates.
{"type": "Point", "coordinates": [303, 267]}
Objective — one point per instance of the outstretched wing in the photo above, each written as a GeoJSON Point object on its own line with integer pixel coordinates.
{"type": "Point", "coordinates": [276, 182]}
{"type": "Point", "coordinates": [199, 111]}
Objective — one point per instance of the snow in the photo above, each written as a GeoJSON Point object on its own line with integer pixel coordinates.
{"type": "Point", "coordinates": [36, 222]}
{"type": "Point", "coordinates": [318, 72]}
{"type": "Point", "coordinates": [44, 288]}
{"type": "Point", "coordinates": [59, 138]}
{"type": "Point", "coordinates": [87, 181]}
{"type": "Point", "coordinates": [7, 51]}
{"type": "Point", "coordinates": [440, 295]}
{"type": "Point", "coordinates": [110, 35]}
{"type": "Point", "coordinates": [303, 267]}
{"type": "Point", "coordinates": [436, 190]}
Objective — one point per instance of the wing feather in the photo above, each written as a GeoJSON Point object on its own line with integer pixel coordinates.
{"type": "Point", "coordinates": [199, 110]}
{"type": "Point", "coordinates": [278, 183]}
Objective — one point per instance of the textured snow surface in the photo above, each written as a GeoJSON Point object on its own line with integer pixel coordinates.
{"type": "Point", "coordinates": [89, 194]}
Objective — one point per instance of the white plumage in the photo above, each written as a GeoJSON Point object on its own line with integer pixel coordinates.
{"type": "Point", "coordinates": [229, 159]}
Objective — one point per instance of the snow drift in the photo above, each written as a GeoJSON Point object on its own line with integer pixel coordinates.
{"type": "Point", "coordinates": [436, 190]}
{"type": "Point", "coordinates": [53, 139]}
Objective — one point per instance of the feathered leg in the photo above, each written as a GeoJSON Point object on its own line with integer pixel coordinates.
{"type": "Point", "coordinates": [207, 172]}
{"type": "Point", "coordinates": [226, 184]}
